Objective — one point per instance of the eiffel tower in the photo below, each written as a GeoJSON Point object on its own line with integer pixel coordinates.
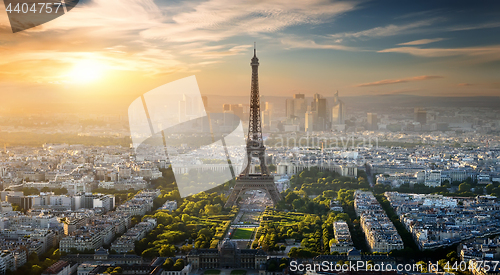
{"type": "Point", "coordinates": [255, 148]}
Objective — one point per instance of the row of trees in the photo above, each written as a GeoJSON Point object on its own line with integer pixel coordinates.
{"type": "Point", "coordinates": [467, 188]}
{"type": "Point", "coordinates": [36, 265]}
{"type": "Point", "coordinates": [200, 219]}
{"type": "Point", "coordinates": [313, 181]}
{"type": "Point", "coordinates": [27, 191]}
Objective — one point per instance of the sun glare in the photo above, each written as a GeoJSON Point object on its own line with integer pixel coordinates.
{"type": "Point", "coordinates": [86, 71]}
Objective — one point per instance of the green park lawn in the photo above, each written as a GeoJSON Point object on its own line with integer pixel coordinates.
{"type": "Point", "coordinates": [242, 233]}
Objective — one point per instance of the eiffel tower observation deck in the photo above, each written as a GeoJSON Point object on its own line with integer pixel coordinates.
{"type": "Point", "coordinates": [255, 149]}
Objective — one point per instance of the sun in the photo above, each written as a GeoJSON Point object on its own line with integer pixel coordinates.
{"type": "Point", "coordinates": [86, 71]}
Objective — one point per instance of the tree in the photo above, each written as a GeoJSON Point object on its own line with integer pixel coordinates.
{"type": "Point", "coordinates": [60, 191]}
{"type": "Point", "coordinates": [186, 248]}
{"type": "Point", "coordinates": [179, 265]}
{"type": "Point", "coordinates": [422, 266]}
{"type": "Point", "coordinates": [167, 250]}
{"type": "Point", "coordinates": [272, 168]}
{"type": "Point", "coordinates": [56, 255]}
{"type": "Point", "coordinates": [33, 258]}
{"type": "Point", "coordinates": [150, 253]}
{"type": "Point", "coordinates": [294, 253]}
{"type": "Point", "coordinates": [135, 220]}
{"type": "Point", "coordinates": [332, 241]}
{"type": "Point", "coordinates": [16, 207]}
{"type": "Point", "coordinates": [168, 264]}
{"type": "Point", "coordinates": [36, 269]}
{"type": "Point", "coordinates": [464, 187]}
{"type": "Point", "coordinates": [185, 218]}
{"type": "Point", "coordinates": [211, 209]}
{"type": "Point", "coordinates": [489, 188]}
{"type": "Point", "coordinates": [369, 265]}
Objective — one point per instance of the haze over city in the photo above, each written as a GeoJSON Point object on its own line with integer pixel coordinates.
{"type": "Point", "coordinates": [104, 53]}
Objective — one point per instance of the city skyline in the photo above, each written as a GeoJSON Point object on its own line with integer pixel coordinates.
{"type": "Point", "coordinates": [249, 137]}
{"type": "Point", "coordinates": [111, 52]}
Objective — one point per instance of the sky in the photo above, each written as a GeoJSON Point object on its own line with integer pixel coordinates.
{"type": "Point", "coordinates": [105, 53]}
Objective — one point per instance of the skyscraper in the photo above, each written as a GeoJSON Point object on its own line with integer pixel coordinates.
{"type": "Point", "coordinates": [338, 110]}
{"type": "Point", "coordinates": [372, 121]}
{"type": "Point", "coordinates": [310, 119]}
{"type": "Point", "coordinates": [236, 109]}
{"type": "Point", "coordinates": [319, 106]}
{"type": "Point", "coordinates": [420, 115]}
{"type": "Point", "coordinates": [182, 110]}
{"type": "Point", "coordinates": [296, 107]}
{"type": "Point", "coordinates": [289, 108]}
{"type": "Point", "coordinates": [189, 104]}
{"type": "Point", "coordinates": [267, 114]}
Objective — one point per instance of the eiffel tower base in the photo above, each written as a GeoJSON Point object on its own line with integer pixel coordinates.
{"type": "Point", "coordinates": [254, 182]}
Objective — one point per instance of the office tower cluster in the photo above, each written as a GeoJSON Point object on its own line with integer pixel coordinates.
{"type": "Point", "coordinates": [236, 109]}
{"type": "Point", "coordinates": [318, 115]}
{"type": "Point", "coordinates": [190, 107]}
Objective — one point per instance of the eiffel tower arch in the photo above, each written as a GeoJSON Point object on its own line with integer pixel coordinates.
{"type": "Point", "coordinates": [255, 148]}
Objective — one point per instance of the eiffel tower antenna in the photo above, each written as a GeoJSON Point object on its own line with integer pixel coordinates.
{"type": "Point", "coordinates": [255, 148]}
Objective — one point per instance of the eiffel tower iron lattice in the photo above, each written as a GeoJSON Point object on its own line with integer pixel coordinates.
{"type": "Point", "coordinates": [255, 148]}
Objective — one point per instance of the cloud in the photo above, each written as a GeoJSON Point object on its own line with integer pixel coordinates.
{"type": "Point", "coordinates": [488, 25]}
{"type": "Point", "coordinates": [421, 42]}
{"type": "Point", "coordinates": [465, 84]}
{"type": "Point", "coordinates": [389, 30]}
{"type": "Point", "coordinates": [212, 52]}
{"type": "Point", "coordinates": [480, 54]}
{"type": "Point", "coordinates": [397, 81]}
{"type": "Point", "coordinates": [311, 44]}
{"type": "Point", "coordinates": [154, 37]}
{"type": "Point", "coordinates": [216, 20]}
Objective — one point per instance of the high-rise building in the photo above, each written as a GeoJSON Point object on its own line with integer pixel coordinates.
{"type": "Point", "coordinates": [236, 109]}
{"type": "Point", "coordinates": [319, 106]}
{"type": "Point", "coordinates": [269, 106]}
{"type": "Point", "coordinates": [420, 115]}
{"type": "Point", "coordinates": [267, 114]}
{"type": "Point", "coordinates": [296, 107]}
{"type": "Point", "coordinates": [310, 121]}
{"type": "Point", "coordinates": [266, 119]}
{"type": "Point", "coordinates": [189, 104]}
{"type": "Point", "coordinates": [290, 108]}
{"type": "Point", "coordinates": [372, 121]}
{"type": "Point", "coordinates": [182, 111]}
{"type": "Point", "coordinates": [338, 110]}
